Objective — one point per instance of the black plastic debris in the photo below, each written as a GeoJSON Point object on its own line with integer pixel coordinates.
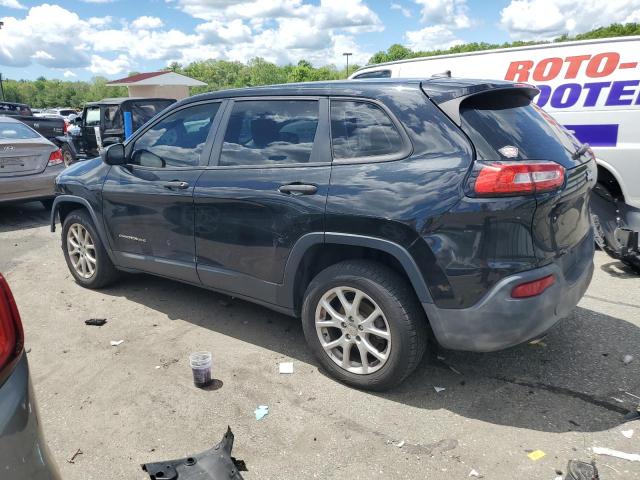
{"type": "Point", "coordinates": [96, 322]}
{"type": "Point", "coordinates": [577, 470]}
{"type": "Point", "coordinates": [633, 415]}
{"type": "Point", "coordinates": [213, 464]}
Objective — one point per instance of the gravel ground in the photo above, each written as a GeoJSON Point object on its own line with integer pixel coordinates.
{"type": "Point", "coordinates": [135, 403]}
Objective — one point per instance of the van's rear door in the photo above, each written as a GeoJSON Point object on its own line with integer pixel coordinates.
{"type": "Point", "coordinates": [505, 125]}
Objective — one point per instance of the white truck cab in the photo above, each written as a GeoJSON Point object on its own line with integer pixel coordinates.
{"type": "Point", "coordinates": [592, 87]}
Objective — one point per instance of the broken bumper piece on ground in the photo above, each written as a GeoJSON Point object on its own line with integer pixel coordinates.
{"type": "Point", "coordinates": [213, 464]}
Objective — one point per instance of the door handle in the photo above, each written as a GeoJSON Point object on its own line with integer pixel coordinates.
{"type": "Point", "coordinates": [298, 189]}
{"type": "Point", "coordinates": [176, 184]}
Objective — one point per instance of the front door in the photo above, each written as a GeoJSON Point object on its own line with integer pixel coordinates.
{"type": "Point", "coordinates": [266, 188]}
{"type": "Point", "coordinates": [148, 204]}
{"type": "Point", "coordinates": [90, 120]}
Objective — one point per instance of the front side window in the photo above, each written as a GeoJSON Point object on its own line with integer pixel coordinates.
{"type": "Point", "coordinates": [176, 140]}
{"type": "Point", "coordinates": [93, 117]}
{"type": "Point", "coordinates": [266, 132]}
{"type": "Point", "coordinates": [361, 129]}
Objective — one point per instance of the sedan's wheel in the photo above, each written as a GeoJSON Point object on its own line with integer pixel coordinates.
{"type": "Point", "coordinates": [364, 323]}
{"type": "Point", "coordinates": [353, 330]}
{"type": "Point", "coordinates": [82, 251]}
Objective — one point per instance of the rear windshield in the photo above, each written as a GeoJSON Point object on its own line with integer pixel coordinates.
{"type": "Point", "coordinates": [511, 127]}
{"type": "Point", "coordinates": [16, 131]}
{"type": "Point", "coordinates": [14, 109]}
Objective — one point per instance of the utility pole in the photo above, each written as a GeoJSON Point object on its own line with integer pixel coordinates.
{"type": "Point", "coordinates": [346, 54]}
{"type": "Point", "coordinates": [1, 86]}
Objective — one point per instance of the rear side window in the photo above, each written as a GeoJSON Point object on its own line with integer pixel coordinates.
{"type": "Point", "coordinates": [511, 127]}
{"type": "Point", "coordinates": [266, 132]}
{"type": "Point", "coordinates": [112, 118]}
{"type": "Point", "coordinates": [362, 129]}
{"type": "Point", "coordinates": [14, 109]}
{"type": "Point", "coordinates": [16, 131]}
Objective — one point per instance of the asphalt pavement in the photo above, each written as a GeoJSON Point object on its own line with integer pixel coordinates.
{"type": "Point", "coordinates": [136, 403]}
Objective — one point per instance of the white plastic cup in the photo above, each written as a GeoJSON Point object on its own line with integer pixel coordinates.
{"type": "Point", "coordinates": [201, 367]}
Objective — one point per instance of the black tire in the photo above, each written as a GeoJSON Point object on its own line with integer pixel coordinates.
{"type": "Point", "coordinates": [67, 156]}
{"type": "Point", "coordinates": [406, 320]}
{"type": "Point", "coordinates": [633, 263]}
{"type": "Point", "coordinates": [105, 272]}
{"type": "Point", "coordinates": [47, 204]}
{"type": "Point", "coordinates": [604, 217]}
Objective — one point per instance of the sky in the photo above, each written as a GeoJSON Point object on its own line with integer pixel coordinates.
{"type": "Point", "coordinates": [79, 39]}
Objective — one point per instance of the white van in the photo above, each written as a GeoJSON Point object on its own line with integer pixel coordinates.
{"type": "Point", "coordinates": [592, 87]}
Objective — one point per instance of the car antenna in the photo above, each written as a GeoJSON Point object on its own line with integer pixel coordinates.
{"type": "Point", "coordinates": [445, 74]}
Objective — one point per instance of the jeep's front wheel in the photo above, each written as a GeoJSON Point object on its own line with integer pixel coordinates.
{"type": "Point", "coordinates": [364, 324]}
{"type": "Point", "coordinates": [86, 257]}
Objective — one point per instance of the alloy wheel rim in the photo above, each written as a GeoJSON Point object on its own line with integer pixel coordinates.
{"type": "Point", "coordinates": [353, 330]}
{"type": "Point", "coordinates": [82, 251]}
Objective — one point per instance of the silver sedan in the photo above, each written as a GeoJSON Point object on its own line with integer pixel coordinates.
{"type": "Point", "coordinates": [29, 163]}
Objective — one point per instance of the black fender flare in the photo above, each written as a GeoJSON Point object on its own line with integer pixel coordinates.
{"type": "Point", "coordinates": [397, 251]}
{"type": "Point", "coordinates": [60, 199]}
{"type": "Point", "coordinates": [68, 142]}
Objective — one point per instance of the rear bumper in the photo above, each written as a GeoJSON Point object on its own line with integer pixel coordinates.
{"type": "Point", "coordinates": [499, 321]}
{"type": "Point", "coordinates": [30, 187]}
{"type": "Point", "coordinates": [23, 453]}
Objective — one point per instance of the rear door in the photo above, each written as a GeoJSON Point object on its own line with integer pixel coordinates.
{"type": "Point", "coordinates": [506, 126]}
{"type": "Point", "coordinates": [148, 204]}
{"type": "Point", "coordinates": [266, 188]}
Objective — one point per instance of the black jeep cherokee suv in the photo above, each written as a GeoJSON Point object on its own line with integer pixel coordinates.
{"type": "Point", "coordinates": [379, 211]}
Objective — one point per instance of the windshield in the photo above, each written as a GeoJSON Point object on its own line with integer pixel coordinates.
{"type": "Point", "coordinates": [508, 126]}
{"type": "Point", "coordinates": [16, 131]}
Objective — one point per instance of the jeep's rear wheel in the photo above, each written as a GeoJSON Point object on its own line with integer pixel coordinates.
{"type": "Point", "coordinates": [67, 156]}
{"type": "Point", "coordinates": [84, 253]}
{"type": "Point", "coordinates": [364, 324]}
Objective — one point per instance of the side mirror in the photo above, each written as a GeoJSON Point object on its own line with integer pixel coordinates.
{"type": "Point", "coordinates": [114, 154]}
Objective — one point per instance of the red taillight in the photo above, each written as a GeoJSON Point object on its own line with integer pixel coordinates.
{"type": "Point", "coordinates": [55, 158]}
{"type": "Point", "coordinates": [531, 289]}
{"type": "Point", "coordinates": [11, 334]}
{"type": "Point", "coordinates": [517, 178]}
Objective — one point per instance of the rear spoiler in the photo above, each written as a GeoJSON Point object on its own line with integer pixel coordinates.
{"type": "Point", "coordinates": [449, 100]}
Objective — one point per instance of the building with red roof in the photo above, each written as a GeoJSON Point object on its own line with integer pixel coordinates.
{"type": "Point", "coordinates": [157, 85]}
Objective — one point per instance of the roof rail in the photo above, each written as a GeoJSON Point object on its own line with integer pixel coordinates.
{"type": "Point", "coordinates": [445, 74]}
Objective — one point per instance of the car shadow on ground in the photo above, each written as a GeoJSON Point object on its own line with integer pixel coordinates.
{"type": "Point", "coordinates": [573, 381]}
{"type": "Point", "coordinates": [619, 270]}
{"type": "Point", "coordinates": [22, 216]}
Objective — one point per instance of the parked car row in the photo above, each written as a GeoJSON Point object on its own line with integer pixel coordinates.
{"type": "Point", "coordinates": [49, 127]}
{"type": "Point", "coordinates": [33, 149]}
